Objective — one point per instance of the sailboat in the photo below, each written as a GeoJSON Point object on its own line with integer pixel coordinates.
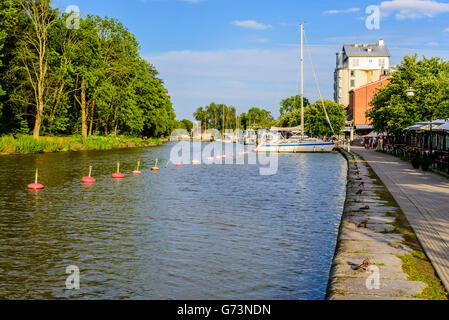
{"type": "Point", "coordinates": [293, 140]}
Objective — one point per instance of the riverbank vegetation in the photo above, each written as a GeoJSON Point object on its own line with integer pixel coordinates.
{"type": "Point", "coordinates": [27, 144]}
{"type": "Point", "coordinates": [57, 78]}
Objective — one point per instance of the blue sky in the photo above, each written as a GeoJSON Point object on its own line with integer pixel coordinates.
{"type": "Point", "coordinates": [245, 52]}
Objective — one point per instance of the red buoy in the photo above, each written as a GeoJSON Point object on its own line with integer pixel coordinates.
{"type": "Point", "coordinates": [35, 185]}
{"type": "Point", "coordinates": [118, 174]}
{"type": "Point", "coordinates": [89, 179]}
{"type": "Point", "coordinates": [179, 164]}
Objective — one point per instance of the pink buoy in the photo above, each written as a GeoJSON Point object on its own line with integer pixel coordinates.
{"type": "Point", "coordinates": [35, 185]}
{"type": "Point", "coordinates": [137, 172]}
{"type": "Point", "coordinates": [118, 174]}
{"type": "Point", "coordinates": [89, 179]}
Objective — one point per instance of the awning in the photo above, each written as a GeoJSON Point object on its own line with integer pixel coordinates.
{"type": "Point", "coordinates": [364, 127]}
{"type": "Point", "coordinates": [444, 127]}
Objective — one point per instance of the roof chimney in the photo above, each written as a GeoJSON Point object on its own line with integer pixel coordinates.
{"type": "Point", "coordinates": [380, 43]}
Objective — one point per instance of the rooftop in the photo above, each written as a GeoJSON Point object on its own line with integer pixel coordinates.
{"type": "Point", "coordinates": [378, 49]}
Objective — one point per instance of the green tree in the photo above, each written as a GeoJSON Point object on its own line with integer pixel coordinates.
{"type": "Point", "coordinates": [393, 111]}
{"type": "Point", "coordinates": [185, 124]}
{"type": "Point", "coordinates": [33, 53]}
{"type": "Point", "coordinates": [292, 103]}
{"type": "Point", "coordinates": [315, 122]}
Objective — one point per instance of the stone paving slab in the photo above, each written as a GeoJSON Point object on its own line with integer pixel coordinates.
{"type": "Point", "coordinates": [371, 247]}
{"type": "Point", "coordinates": [366, 297]}
{"type": "Point", "coordinates": [391, 288]}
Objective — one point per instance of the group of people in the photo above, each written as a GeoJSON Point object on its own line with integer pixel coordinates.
{"type": "Point", "coordinates": [375, 143]}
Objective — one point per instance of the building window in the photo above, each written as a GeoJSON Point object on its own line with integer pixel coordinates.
{"type": "Point", "coordinates": [340, 83]}
{"type": "Point", "coordinates": [382, 63]}
{"type": "Point", "coordinates": [355, 62]}
{"type": "Point", "coordinates": [352, 83]}
{"type": "Point", "coordinates": [340, 73]}
{"type": "Point", "coordinates": [352, 73]}
{"type": "Point", "coordinates": [340, 93]}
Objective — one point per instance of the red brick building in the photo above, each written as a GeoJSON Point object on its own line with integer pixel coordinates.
{"type": "Point", "coordinates": [360, 102]}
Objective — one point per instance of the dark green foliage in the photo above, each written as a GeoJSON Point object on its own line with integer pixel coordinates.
{"type": "Point", "coordinates": [293, 103]}
{"type": "Point", "coordinates": [315, 122]}
{"type": "Point", "coordinates": [96, 82]}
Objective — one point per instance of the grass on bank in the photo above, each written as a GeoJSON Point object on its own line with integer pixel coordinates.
{"type": "Point", "coordinates": [27, 144]}
{"type": "Point", "coordinates": [416, 265]}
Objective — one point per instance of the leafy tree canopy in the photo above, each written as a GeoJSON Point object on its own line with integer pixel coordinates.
{"type": "Point", "coordinates": [393, 110]}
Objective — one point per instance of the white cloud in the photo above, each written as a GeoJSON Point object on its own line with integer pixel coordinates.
{"type": "Point", "coordinates": [446, 30]}
{"type": "Point", "coordinates": [413, 9]}
{"type": "Point", "coordinates": [342, 11]}
{"type": "Point", "coordinates": [251, 24]}
{"type": "Point", "coordinates": [432, 44]}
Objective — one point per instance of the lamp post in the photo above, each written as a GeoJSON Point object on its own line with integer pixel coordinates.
{"type": "Point", "coordinates": [410, 92]}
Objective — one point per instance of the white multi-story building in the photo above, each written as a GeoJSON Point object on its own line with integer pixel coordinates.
{"type": "Point", "coordinates": [358, 65]}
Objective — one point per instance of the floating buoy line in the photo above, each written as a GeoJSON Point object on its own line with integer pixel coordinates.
{"type": "Point", "coordinates": [119, 175]}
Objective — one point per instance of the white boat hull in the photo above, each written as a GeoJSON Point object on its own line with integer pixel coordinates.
{"type": "Point", "coordinates": [297, 147]}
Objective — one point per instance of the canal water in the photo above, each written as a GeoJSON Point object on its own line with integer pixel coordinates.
{"type": "Point", "coordinates": [192, 232]}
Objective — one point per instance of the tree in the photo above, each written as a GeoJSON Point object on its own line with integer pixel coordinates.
{"type": "Point", "coordinates": [292, 103]}
{"type": "Point", "coordinates": [315, 122]}
{"type": "Point", "coordinates": [33, 52]}
{"type": "Point", "coordinates": [259, 118]}
{"type": "Point", "coordinates": [213, 115]}
{"type": "Point", "coordinates": [393, 111]}
{"type": "Point", "coordinates": [185, 124]}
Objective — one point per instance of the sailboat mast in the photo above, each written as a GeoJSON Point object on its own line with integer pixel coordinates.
{"type": "Point", "coordinates": [302, 81]}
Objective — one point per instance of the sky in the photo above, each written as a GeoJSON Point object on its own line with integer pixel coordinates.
{"type": "Point", "coordinates": [245, 53]}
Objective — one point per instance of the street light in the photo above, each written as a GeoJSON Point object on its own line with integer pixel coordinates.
{"type": "Point", "coordinates": [410, 92]}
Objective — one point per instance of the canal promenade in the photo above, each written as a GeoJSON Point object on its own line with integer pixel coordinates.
{"type": "Point", "coordinates": [424, 199]}
{"type": "Point", "coordinates": [371, 249]}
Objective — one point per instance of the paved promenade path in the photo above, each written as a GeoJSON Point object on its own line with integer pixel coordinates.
{"type": "Point", "coordinates": [424, 199]}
